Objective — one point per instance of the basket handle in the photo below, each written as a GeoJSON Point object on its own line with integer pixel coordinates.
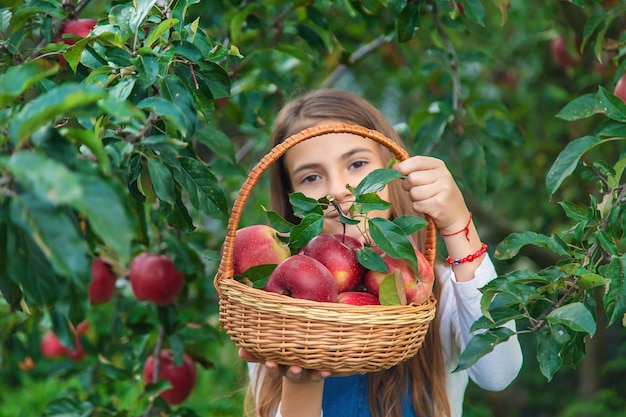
{"type": "Point", "coordinates": [226, 263]}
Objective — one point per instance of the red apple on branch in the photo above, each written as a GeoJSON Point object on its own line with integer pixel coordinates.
{"type": "Point", "coordinates": [337, 252]}
{"type": "Point", "coordinates": [358, 298]}
{"type": "Point", "coordinates": [255, 245]}
{"type": "Point", "coordinates": [155, 278]}
{"type": "Point", "coordinates": [78, 27]}
{"type": "Point", "coordinates": [51, 346]}
{"type": "Point", "coordinates": [620, 88]}
{"type": "Point", "coordinates": [301, 276]}
{"type": "Point", "coordinates": [183, 378]}
{"type": "Point", "coordinates": [417, 287]}
{"type": "Point", "coordinates": [102, 286]}
{"type": "Point", "coordinates": [565, 54]}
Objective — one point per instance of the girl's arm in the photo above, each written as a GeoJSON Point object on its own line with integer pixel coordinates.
{"type": "Point", "coordinates": [301, 389]}
{"type": "Point", "coordinates": [434, 193]}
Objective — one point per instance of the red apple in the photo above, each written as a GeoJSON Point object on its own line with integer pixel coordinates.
{"type": "Point", "coordinates": [301, 276]}
{"type": "Point", "coordinates": [78, 352]}
{"type": "Point", "coordinates": [51, 346]}
{"type": "Point", "coordinates": [102, 286]}
{"type": "Point", "coordinates": [183, 378]}
{"type": "Point", "coordinates": [620, 88]}
{"type": "Point", "coordinates": [337, 252]}
{"type": "Point", "coordinates": [154, 277]}
{"type": "Point", "coordinates": [358, 298]}
{"type": "Point", "coordinates": [257, 245]}
{"type": "Point", "coordinates": [417, 288]}
{"type": "Point", "coordinates": [79, 27]}
{"type": "Point", "coordinates": [564, 54]}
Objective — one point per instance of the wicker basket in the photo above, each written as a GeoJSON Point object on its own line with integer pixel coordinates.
{"type": "Point", "coordinates": [317, 335]}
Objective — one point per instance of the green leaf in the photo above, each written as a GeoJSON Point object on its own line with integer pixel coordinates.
{"type": "Point", "coordinates": [103, 204]}
{"type": "Point", "coordinates": [278, 222]}
{"type": "Point", "coordinates": [408, 21]}
{"type": "Point", "coordinates": [162, 181]}
{"type": "Point", "coordinates": [19, 78]}
{"type": "Point", "coordinates": [581, 108]}
{"type": "Point", "coordinates": [481, 344]}
{"type": "Point", "coordinates": [588, 281]}
{"type": "Point", "coordinates": [615, 295]}
{"type": "Point", "coordinates": [162, 27]}
{"type": "Point", "coordinates": [575, 316]}
{"type": "Point", "coordinates": [140, 12]}
{"type": "Point", "coordinates": [474, 11]}
{"type": "Point", "coordinates": [613, 107]}
{"type": "Point", "coordinates": [303, 205]}
{"type": "Point", "coordinates": [56, 233]}
{"type": "Point", "coordinates": [51, 105]}
{"type": "Point", "coordinates": [551, 340]}
{"type": "Point", "coordinates": [202, 187]}
{"type": "Point", "coordinates": [371, 260]}
{"type": "Point", "coordinates": [27, 266]}
{"type": "Point", "coordinates": [498, 316]}
{"type": "Point", "coordinates": [392, 292]}
{"type": "Point", "coordinates": [48, 179]}
{"type": "Point", "coordinates": [169, 112]}
{"type": "Point", "coordinates": [91, 141]}
{"type": "Point", "coordinates": [310, 226]}
{"type": "Point", "coordinates": [389, 237]}
{"type": "Point", "coordinates": [410, 223]}
{"type": "Point", "coordinates": [376, 180]}
{"type": "Point", "coordinates": [512, 244]}
{"type": "Point", "coordinates": [366, 203]}
{"type": "Point", "coordinates": [259, 274]}
{"type": "Point", "coordinates": [567, 161]}
{"type": "Point", "coordinates": [217, 141]}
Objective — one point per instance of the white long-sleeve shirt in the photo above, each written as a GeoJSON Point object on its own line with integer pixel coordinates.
{"type": "Point", "coordinates": [459, 307]}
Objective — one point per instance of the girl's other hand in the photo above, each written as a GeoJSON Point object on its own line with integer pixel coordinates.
{"type": "Point", "coordinates": [294, 373]}
{"type": "Point", "coordinates": [434, 192]}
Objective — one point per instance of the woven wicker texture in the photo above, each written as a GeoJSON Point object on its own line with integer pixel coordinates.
{"type": "Point", "coordinates": [324, 336]}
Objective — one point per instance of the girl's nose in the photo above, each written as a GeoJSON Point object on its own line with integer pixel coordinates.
{"type": "Point", "coordinates": [338, 188]}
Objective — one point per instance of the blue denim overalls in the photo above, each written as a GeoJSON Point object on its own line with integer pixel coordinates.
{"type": "Point", "coordinates": [347, 397]}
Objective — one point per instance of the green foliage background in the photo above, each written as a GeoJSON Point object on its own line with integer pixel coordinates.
{"type": "Point", "coordinates": [140, 141]}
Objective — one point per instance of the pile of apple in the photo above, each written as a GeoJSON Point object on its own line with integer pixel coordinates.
{"type": "Point", "coordinates": [326, 269]}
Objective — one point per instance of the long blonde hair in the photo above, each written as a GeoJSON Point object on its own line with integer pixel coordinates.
{"type": "Point", "coordinates": [425, 371]}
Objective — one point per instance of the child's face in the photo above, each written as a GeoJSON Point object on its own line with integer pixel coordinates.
{"type": "Point", "coordinates": [324, 165]}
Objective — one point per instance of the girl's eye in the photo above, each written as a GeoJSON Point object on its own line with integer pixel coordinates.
{"type": "Point", "coordinates": [358, 164]}
{"type": "Point", "coordinates": [310, 178]}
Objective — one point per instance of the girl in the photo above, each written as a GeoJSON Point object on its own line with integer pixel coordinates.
{"type": "Point", "coordinates": [423, 386]}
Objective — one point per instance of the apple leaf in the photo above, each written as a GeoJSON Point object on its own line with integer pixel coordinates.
{"type": "Point", "coordinates": [408, 21]}
{"type": "Point", "coordinates": [257, 275]}
{"type": "Point", "coordinates": [550, 344]}
{"type": "Point", "coordinates": [18, 79]}
{"type": "Point", "coordinates": [310, 226]}
{"type": "Point", "coordinates": [574, 316]}
{"type": "Point", "coordinates": [375, 181]}
{"type": "Point", "coordinates": [615, 295]}
{"type": "Point", "coordinates": [481, 344]}
{"type": "Point", "coordinates": [392, 291]}
{"type": "Point", "coordinates": [303, 205]}
{"type": "Point", "coordinates": [277, 221]}
{"type": "Point", "coordinates": [498, 317]}
{"type": "Point", "coordinates": [392, 240]}
{"type": "Point", "coordinates": [371, 260]}
{"type": "Point", "coordinates": [365, 203]}
{"type": "Point", "coordinates": [567, 161]}
{"type": "Point", "coordinates": [410, 223]}
{"type": "Point", "coordinates": [512, 244]}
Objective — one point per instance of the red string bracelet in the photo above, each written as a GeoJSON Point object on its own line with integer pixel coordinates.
{"type": "Point", "coordinates": [465, 229]}
{"type": "Point", "coordinates": [468, 258]}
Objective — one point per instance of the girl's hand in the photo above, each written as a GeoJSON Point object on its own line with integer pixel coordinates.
{"type": "Point", "coordinates": [434, 192]}
{"type": "Point", "coordinates": [293, 373]}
